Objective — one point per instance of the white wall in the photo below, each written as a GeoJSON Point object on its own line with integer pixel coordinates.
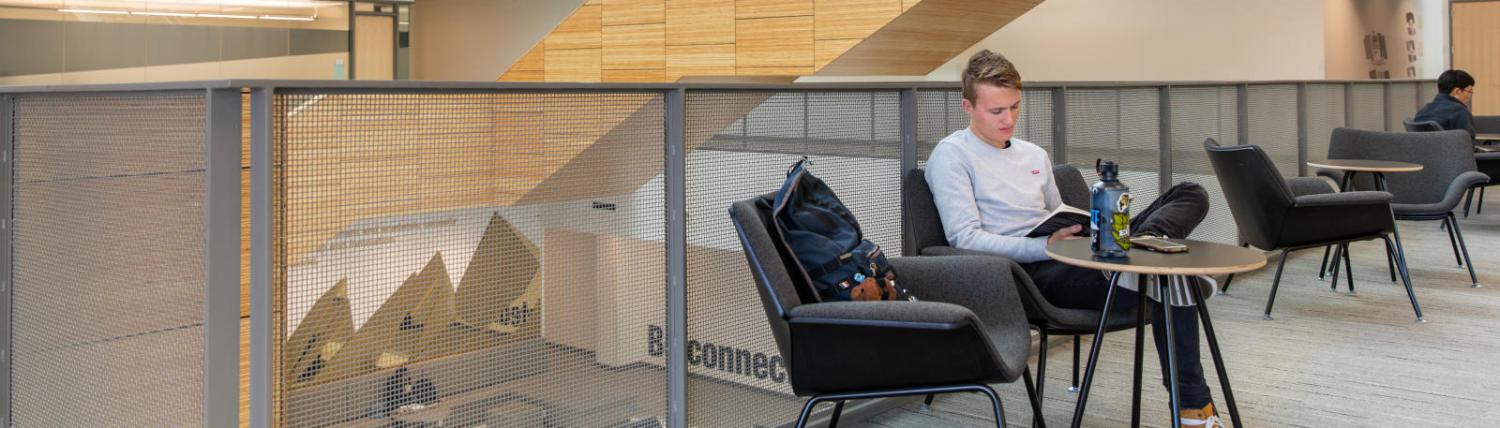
{"type": "Point", "coordinates": [1349, 22]}
{"type": "Point", "coordinates": [478, 40]}
{"type": "Point", "coordinates": [1150, 40]}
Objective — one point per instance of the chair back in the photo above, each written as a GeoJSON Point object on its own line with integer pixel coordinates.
{"type": "Point", "coordinates": [1075, 191]}
{"type": "Point", "coordinates": [1423, 126]}
{"type": "Point", "coordinates": [924, 226]}
{"type": "Point", "coordinates": [1258, 195]}
{"type": "Point", "coordinates": [919, 214]}
{"type": "Point", "coordinates": [1443, 156]}
{"type": "Point", "coordinates": [768, 264]}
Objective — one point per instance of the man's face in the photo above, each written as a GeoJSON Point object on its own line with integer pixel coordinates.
{"type": "Point", "coordinates": [1464, 95]}
{"type": "Point", "coordinates": [992, 114]}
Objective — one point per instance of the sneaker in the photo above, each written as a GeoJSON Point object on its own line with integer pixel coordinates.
{"type": "Point", "coordinates": [1206, 417]}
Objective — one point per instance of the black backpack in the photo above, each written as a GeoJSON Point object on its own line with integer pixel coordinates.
{"type": "Point", "coordinates": [822, 235]}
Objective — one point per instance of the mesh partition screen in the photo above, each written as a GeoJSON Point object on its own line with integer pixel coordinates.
{"type": "Point", "coordinates": [499, 254]}
{"type": "Point", "coordinates": [1369, 107]}
{"type": "Point", "coordinates": [736, 374]}
{"type": "Point", "coordinates": [940, 112]}
{"type": "Point", "coordinates": [1199, 113]}
{"type": "Point", "coordinates": [107, 322]}
{"type": "Point", "coordinates": [1273, 124]}
{"type": "Point", "coordinates": [1426, 91]}
{"type": "Point", "coordinates": [1325, 112]}
{"type": "Point", "coordinates": [1121, 125]}
{"type": "Point", "coordinates": [1403, 104]}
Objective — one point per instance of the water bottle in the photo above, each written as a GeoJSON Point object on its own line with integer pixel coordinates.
{"type": "Point", "coordinates": [1109, 213]}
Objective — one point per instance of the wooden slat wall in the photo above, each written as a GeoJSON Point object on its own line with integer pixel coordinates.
{"type": "Point", "coordinates": [668, 40]}
{"type": "Point", "coordinates": [1476, 49]}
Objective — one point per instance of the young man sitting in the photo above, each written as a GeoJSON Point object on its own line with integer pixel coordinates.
{"type": "Point", "coordinates": [1450, 108]}
{"type": "Point", "coordinates": [990, 189]}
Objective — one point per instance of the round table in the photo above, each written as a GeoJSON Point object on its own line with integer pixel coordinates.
{"type": "Point", "coordinates": [1350, 167]}
{"type": "Point", "coordinates": [1355, 166]}
{"type": "Point", "coordinates": [1201, 258]}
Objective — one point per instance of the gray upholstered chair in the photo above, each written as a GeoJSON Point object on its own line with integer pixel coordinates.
{"type": "Point", "coordinates": [968, 330]}
{"type": "Point", "coordinates": [1448, 170]}
{"type": "Point", "coordinates": [924, 232]}
{"type": "Point", "coordinates": [1275, 213]}
{"type": "Point", "coordinates": [1487, 163]}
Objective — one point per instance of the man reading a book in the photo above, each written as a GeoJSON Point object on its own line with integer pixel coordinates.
{"type": "Point", "coordinates": [991, 190]}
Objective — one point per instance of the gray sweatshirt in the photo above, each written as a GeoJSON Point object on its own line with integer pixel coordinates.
{"type": "Point", "coordinates": [989, 197]}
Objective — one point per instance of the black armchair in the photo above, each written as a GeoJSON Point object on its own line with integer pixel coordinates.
{"type": "Point", "coordinates": [1449, 168]}
{"type": "Point", "coordinates": [839, 351]}
{"type": "Point", "coordinates": [1274, 213]}
{"type": "Point", "coordinates": [924, 231]}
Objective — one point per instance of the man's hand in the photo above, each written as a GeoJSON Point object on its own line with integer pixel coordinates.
{"type": "Point", "coordinates": [1070, 232]}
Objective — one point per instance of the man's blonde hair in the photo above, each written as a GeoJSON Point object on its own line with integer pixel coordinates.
{"type": "Point", "coordinates": [990, 68]}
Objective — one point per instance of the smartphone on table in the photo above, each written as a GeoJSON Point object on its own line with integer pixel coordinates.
{"type": "Point", "coordinates": [1158, 244]}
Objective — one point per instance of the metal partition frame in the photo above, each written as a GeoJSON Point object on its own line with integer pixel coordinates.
{"type": "Point", "coordinates": [222, 202]}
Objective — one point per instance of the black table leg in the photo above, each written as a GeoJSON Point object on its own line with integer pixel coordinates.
{"type": "Point", "coordinates": [1088, 374]}
{"type": "Point", "coordinates": [1140, 339]}
{"type": "Point", "coordinates": [1213, 347]}
{"type": "Point", "coordinates": [1166, 316]}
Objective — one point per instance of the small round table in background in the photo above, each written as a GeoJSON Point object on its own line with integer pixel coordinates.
{"type": "Point", "coordinates": [1350, 167]}
{"type": "Point", "coordinates": [1486, 138]}
{"type": "Point", "coordinates": [1201, 258]}
{"type": "Point", "coordinates": [1355, 166]}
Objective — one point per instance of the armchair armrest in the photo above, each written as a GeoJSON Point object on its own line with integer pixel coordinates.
{"type": "Point", "coordinates": [847, 346]}
{"type": "Point", "coordinates": [1309, 186]}
{"type": "Point", "coordinates": [896, 314]}
{"type": "Point", "coordinates": [987, 284]}
{"type": "Point", "coordinates": [1343, 198]}
{"type": "Point", "coordinates": [1462, 183]}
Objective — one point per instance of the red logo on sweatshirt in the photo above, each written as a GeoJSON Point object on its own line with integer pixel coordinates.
{"type": "Point", "coordinates": [1036, 171]}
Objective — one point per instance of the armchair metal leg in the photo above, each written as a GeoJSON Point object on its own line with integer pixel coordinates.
{"type": "Point", "coordinates": [1468, 200]}
{"type": "Point", "coordinates": [1323, 265]}
{"type": "Point", "coordinates": [1077, 349]}
{"type": "Point", "coordinates": [1041, 365]}
{"type": "Point", "coordinates": [1452, 241]}
{"type": "Point", "coordinates": [1406, 274]}
{"type": "Point", "coordinates": [1035, 396]}
{"type": "Point", "coordinates": [1390, 260]}
{"type": "Point", "coordinates": [838, 409]}
{"type": "Point", "coordinates": [1338, 259]}
{"type": "Point", "coordinates": [1348, 269]}
{"type": "Point", "coordinates": [927, 403]}
{"type": "Point", "coordinates": [1275, 283]}
{"type": "Point", "coordinates": [1480, 209]}
{"type": "Point", "coordinates": [999, 406]}
{"type": "Point", "coordinates": [1465, 247]}
{"type": "Point", "coordinates": [839, 398]}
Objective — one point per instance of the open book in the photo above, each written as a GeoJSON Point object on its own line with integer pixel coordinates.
{"type": "Point", "coordinates": [1061, 217]}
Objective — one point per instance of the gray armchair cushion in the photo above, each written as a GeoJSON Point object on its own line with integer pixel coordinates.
{"type": "Point", "coordinates": [1344, 198]}
{"type": "Point", "coordinates": [934, 315]}
{"type": "Point", "coordinates": [985, 285]}
{"type": "Point", "coordinates": [1309, 186]}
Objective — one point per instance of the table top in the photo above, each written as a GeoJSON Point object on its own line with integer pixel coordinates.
{"type": "Point", "coordinates": [1489, 137]}
{"type": "Point", "coordinates": [1201, 258]}
{"type": "Point", "coordinates": [1365, 165]}
{"type": "Point", "coordinates": [1487, 149]}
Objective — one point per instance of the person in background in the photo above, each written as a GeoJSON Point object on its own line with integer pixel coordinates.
{"type": "Point", "coordinates": [1450, 108]}
{"type": "Point", "coordinates": [991, 188]}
